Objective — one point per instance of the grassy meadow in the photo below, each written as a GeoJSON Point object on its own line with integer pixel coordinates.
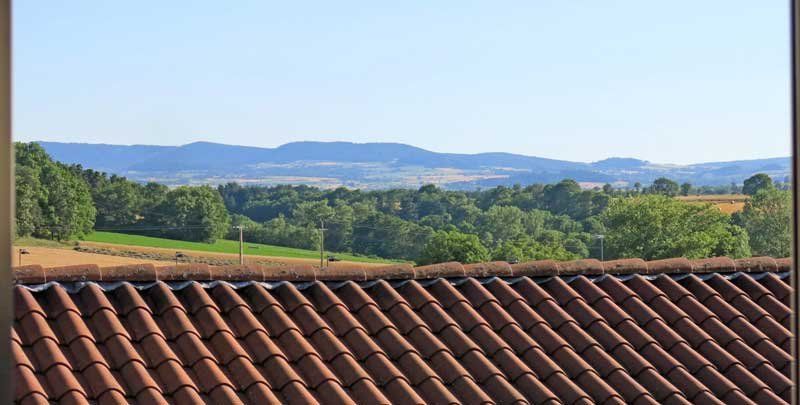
{"type": "Point", "coordinates": [220, 246]}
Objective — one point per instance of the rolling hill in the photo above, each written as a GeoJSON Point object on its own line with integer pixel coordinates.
{"type": "Point", "coordinates": [382, 165]}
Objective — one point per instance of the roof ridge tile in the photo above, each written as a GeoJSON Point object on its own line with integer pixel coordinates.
{"type": "Point", "coordinates": [720, 264]}
{"type": "Point", "coordinates": [440, 270]}
{"type": "Point", "coordinates": [757, 264]}
{"type": "Point", "coordinates": [34, 274]}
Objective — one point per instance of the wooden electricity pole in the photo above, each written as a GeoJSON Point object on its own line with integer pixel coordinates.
{"type": "Point", "coordinates": [321, 243]}
{"type": "Point", "coordinates": [241, 243]}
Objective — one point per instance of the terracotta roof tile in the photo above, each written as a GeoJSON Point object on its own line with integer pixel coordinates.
{"type": "Point", "coordinates": [627, 331]}
{"type": "Point", "coordinates": [762, 296]}
{"type": "Point", "coordinates": [740, 327]}
{"type": "Point", "coordinates": [638, 367]}
{"type": "Point", "coordinates": [777, 287]}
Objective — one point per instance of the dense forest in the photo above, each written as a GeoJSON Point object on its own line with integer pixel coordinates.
{"type": "Point", "coordinates": [429, 224]}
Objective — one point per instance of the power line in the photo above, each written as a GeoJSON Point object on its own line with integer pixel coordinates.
{"type": "Point", "coordinates": [384, 228]}
{"type": "Point", "coordinates": [149, 228]}
{"type": "Point", "coordinates": [112, 229]}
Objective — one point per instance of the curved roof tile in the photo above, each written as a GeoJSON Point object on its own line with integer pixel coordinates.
{"type": "Point", "coordinates": [620, 331]}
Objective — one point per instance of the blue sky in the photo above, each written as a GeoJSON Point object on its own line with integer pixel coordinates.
{"type": "Point", "coordinates": [679, 81]}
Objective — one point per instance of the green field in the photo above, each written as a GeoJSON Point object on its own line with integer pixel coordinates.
{"type": "Point", "coordinates": [221, 246]}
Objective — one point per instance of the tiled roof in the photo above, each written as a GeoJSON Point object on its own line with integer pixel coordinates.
{"type": "Point", "coordinates": [675, 331]}
{"type": "Point", "coordinates": [354, 272]}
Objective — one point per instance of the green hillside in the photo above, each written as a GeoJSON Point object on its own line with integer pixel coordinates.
{"type": "Point", "coordinates": [221, 246]}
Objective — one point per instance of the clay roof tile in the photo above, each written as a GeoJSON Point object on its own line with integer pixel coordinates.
{"type": "Point", "coordinates": [574, 332]}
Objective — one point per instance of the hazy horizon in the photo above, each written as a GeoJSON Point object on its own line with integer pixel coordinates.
{"type": "Point", "coordinates": [702, 82]}
{"type": "Point", "coordinates": [407, 144]}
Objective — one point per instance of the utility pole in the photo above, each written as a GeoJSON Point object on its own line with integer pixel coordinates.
{"type": "Point", "coordinates": [241, 243]}
{"type": "Point", "coordinates": [322, 230]}
{"type": "Point", "coordinates": [602, 253]}
{"type": "Point", "coordinates": [22, 252]}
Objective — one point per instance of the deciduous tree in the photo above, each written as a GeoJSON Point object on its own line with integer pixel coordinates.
{"type": "Point", "coordinates": [767, 217]}
{"type": "Point", "coordinates": [193, 213]}
{"type": "Point", "coordinates": [659, 227]}
{"type": "Point", "coordinates": [664, 186]}
{"type": "Point", "coordinates": [54, 202]}
{"type": "Point", "coordinates": [756, 183]}
{"type": "Point", "coordinates": [453, 246]}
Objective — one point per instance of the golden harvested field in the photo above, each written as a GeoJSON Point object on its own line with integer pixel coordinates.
{"type": "Point", "coordinates": [116, 255]}
{"type": "Point", "coordinates": [223, 256]}
{"type": "Point", "coordinates": [52, 257]}
{"type": "Point", "coordinates": [727, 203]}
{"type": "Point", "coordinates": [730, 208]}
{"type": "Point", "coordinates": [712, 198]}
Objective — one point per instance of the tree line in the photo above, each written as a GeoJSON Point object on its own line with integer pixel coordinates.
{"type": "Point", "coordinates": [58, 201]}
{"type": "Point", "coordinates": [541, 221]}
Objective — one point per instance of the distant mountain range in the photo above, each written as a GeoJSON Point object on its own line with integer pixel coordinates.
{"type": "Point", "coordinates": [383, 165]}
